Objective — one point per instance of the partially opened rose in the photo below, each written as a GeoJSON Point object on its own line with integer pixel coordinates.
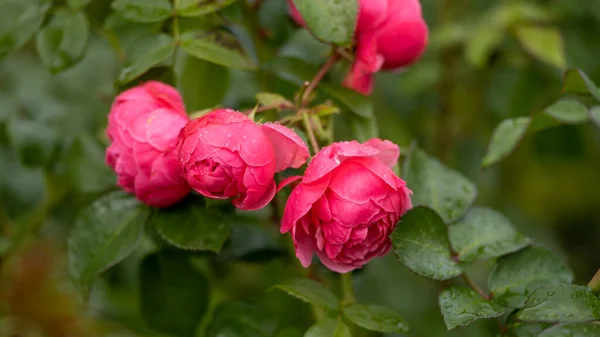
{"type": "Point", "coordinates": [143, 125]}
{"type": "Point", "coordinates": [224, 154]}
{"type": "Point", "coordinates": [347, 205]}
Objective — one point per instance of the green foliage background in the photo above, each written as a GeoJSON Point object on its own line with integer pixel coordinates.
{"type": "Point", "coordinates": [480, 68]}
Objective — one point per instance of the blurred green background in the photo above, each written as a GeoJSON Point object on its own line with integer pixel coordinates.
{"type": "Point", "coordinates": [475, 73]}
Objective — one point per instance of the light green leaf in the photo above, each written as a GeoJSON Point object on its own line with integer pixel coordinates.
{"type": "Point", "coordinates": [105, 233]}
{"type": "Point", "coordinates": [568, 111]}
{"type": "Point", "coordinates": [561, 303]}
{"type": "Point", "coordinates": [331, 21]}
{"type": "Point", "coordinates": [174, 296]}
{"type": "Point", "coordinates": [573, 330]}
{"type": "Point", "coordinates": [191, 225]}
{"type": "Point", "coordinates": [480, 46]}
{"type": "Point", "coordinates": [150, 51]}
{"type": "Point", "coordinates": [78, 4]}
{"type": "Point", "coordinates": [240, 319]}
{"type": "Point", "coordinates": [484, 233]}
{"type": "Point", "coordinates": [434, 185]}
{"type": "Point", "coordinates": [595, 114]}
{"type": "Point", "coordinates": [202, 84]}
{"type": "Point", "coordinates": [311, 292]}
{"type": "Point", "coordinates": [505, 138]}
{"type": "Point", "coordinates": [62, 43]}
{"type": "Point", "coordinates": [217, 49]}
{"type": "Point", "coordinates": [271, 99]}
{"type": "Point", "coordinates": [421, 243]}
{"type": "Point", "coordinates": [143, 10]}
{"type": "Point", "coordinates": [329, 328]}
{"type": "Point", "coordinates": [462, 306]}
{"type": "Point", "coordinates": [516, 276]}
{"type": "Point", "coordinates": [544, 43]}
{"type": "Point", "coordinates": [19, 20]}
{"type": "Point", "coordinates": [577, 82]}
{"type": "Point", "coordinates": [375, 318]}
{"type": "Point", "coordinates": [191, 8]}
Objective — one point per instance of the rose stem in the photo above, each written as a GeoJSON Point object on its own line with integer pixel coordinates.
{"type": "Point", "coordinates": [595, 282]}
{"type": "Point", "coordinates": [312, 85]}
{"type": "Point", "coordinates": [347, 288]}
{"type": "Point", "coordinates": [311, 134]}
{"type": "Point", "coordinates": [475, 287]}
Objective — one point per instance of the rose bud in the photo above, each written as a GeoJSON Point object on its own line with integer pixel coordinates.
{"type": "Point", "coordinates": [224, 154]}
{"type": "Point", "coordinates": [347, 205]}
{"type": "Point", "coordinates": [143, 125]}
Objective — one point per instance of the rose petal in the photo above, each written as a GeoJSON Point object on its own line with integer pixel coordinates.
{"type": "Point", "coordinates": [300, 202]}
{"type": "Point", "coordinates": [287, 181]}
{"type": "Point", "coordinates": [255, 199]}
{"type": "Point", "coordinates": [290, 149]}
{"type": "Point", "coordinates": [389, 153]}
{"type": "Point", "coordinates": [162, 128]}
{"type": "Point", "coordinates": [333, 155]}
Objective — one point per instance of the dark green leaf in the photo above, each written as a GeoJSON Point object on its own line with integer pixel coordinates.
{"type": "Point", "coordinates": [105, 233]}
{"type": "Point", "coordinates": [174, 295]}
{"type": "Point", "coordinates": [375, 318]}
{"type": "Point", "coordinates": [33, 142]}
{"type": "Point", "coordinates": [87, 168]}
{"type": "Point", "coordinates": [252, 241]}
{"type": "Point", "coordinates": [310, 292]}
{"type": "Point", "coordinates": [568, 111]}
{"type": "Point", "coordinates": [239, 319]}
{"type": "Point", "coordinates": [357, 103]}
{"type": "Point", "coordinates": [216, 49]}
{"type": "Point", "coordinates": [560, 303]}
{"type": "Point", "coordinates": [143, 10]}
{"type": "Point", "coordinates": [484, 233]}
{"type": "Point", "coordinates": [191, 225]}
{"type": "Point", "coordinates": [434, 185]}
{"type": "Point", "coordinates": [202, 84]}
{"type": "Point", "coordinates": [190, 8]}
{"type": "Point", "coordinates": [329, 328]}
{"type": "Point", "coordinates": [573, 330]}
{"type": "Point", "coordinates": [292, 69]}
{"type": "Point", "coordinates": [517, 275]}
{"type": "Point", "coordinates": [421, 243]}
{"type": "Point", "coordinates": [362, 129]}
{"type": "Point", "coordinates": [505, 139]}
{"type": "Point", "coordinates": [78, 4]}
{"type": "Point", "coordinates": [149, 51]}
{"type": "Point", "coordinates": [331, 21]}
{"type": "Point", "coordinates": [19, 20]}
{"type": "Point", "coordinates": [62, 43]}
{"type": "Point", "coordinates": [544, 43]}
{"type": "Point", "coordinates": [462, 306]}
{"type": "Point", "coordinates": [577, 82]}
{"type": "Point", "coordinates": [527, 330]}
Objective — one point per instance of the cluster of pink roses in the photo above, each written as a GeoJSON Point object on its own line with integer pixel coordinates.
{"type": "Point", "coordinates": [390, 34]}
{"type": "Point", "coordinates": [346, 205]}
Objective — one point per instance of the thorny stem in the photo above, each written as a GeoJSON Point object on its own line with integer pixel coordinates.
{"type": "Point", "coordinates": [475, 287]}
{"type": "Point", "coordinates": [312, 85]}
{"type": "Point", "coordinates": [595, 282]}
{"type": "Point", "coordinates": [310, 131]}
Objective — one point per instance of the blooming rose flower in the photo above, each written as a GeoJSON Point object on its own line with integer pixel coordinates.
{"type": "Point", "coordinates": [347, 205]}
{"type": "Point", "coordinates": [143, 125]}
{"type": "Point", "coordinates": [224, 154]}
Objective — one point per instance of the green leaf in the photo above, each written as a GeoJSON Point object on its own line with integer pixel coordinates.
{"type": "Point", "coordinates": [357, 103]}
{"type": "Point", "coordinates": [544, 43]}
{"type": "Point", "coordinates": [19, 20]}
{"type": "Point", "coordinates": [33, 142]}
{"type": "Point", "coordinates": [483, 234]}
{"type": "Point", "coordinates": [573, 330]}
{"type": "Point", "coordinates": [174, 295]}
{"type": "Point", "coordinates": [191, 8]}
{"type": "Point", "coordinates": [331, 21]}
{"type": "Point", "coordinates": [202, 84]}
{"type": "Point", "coordinates": [87, 169]}
{"type": "Point", "coordinates": [462, 306]}
{"type": "Point", "coordinates": [311, 292]}
{"type": "Point", "coordinates": [480, 46]}
{"type": "Point", "coordinates": [240, 319]}
{"type": "Point", "coordinates": [271, 99]}
{"type": "Point", "coordinates": [568, 111]}
{"type": "Point", "coordinates": [217, 49]}
{"type": "Point", "coordinates": [105, 233]}
{"type": "Point", "coordinates": [362, 129]}
{"type": "Point", "coordinates": [192, 226]}
{"type": "Point", "coordinates": [329, 328]}
{"type": "Point", "coordinates": [62, 43]}
{"type": "Point", "coordinates": [421, 243]}
{"type": "Point", "coordinates": [505, 139]}
{"type": "Point", "coordinates": [143, 10]}
{"type": "Point", "coordinates": [516, 276]}
{"type": "Point", "coordinates": [78, 4]}
{"type": "Point", "coordinates": [577, 82]}
{"type": "Point", "coordinates": [150, 51]}
{"type": "Point", "coordinates": [595, 114]}
{"type": "Point", "coordinates": [434, 185]}
{"type": "Point", "coordinates": [527, 330]}
{"type": "Point", "coordinates": [252, 241]}
{"type": "Point", "coordinates": [560, 303]}
{"type": "Point", "coordinates": [375, 318]}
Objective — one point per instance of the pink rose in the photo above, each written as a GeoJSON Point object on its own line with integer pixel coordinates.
{"type": "Point", "coordinates": [224, 154]}
{"type": "Point", "coordinates": [143, 125]}
{"type": "Point", "coordinates": [347, 205]}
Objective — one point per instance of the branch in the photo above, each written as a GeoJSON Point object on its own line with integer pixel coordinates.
{"type": "Point", "coordinates": [312, 85]}
{"type": "Point", "coordinates": [310, 130]}
{"type": "Point", "coordinates": [475, 287]}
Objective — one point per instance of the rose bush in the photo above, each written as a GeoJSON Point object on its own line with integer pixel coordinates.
{"type": "Point", "coordinates": [224, 154]}
{"type": "Point", "coordinates": [347, 205]}
{"type": "Point", "coordinates": [143, 125]}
